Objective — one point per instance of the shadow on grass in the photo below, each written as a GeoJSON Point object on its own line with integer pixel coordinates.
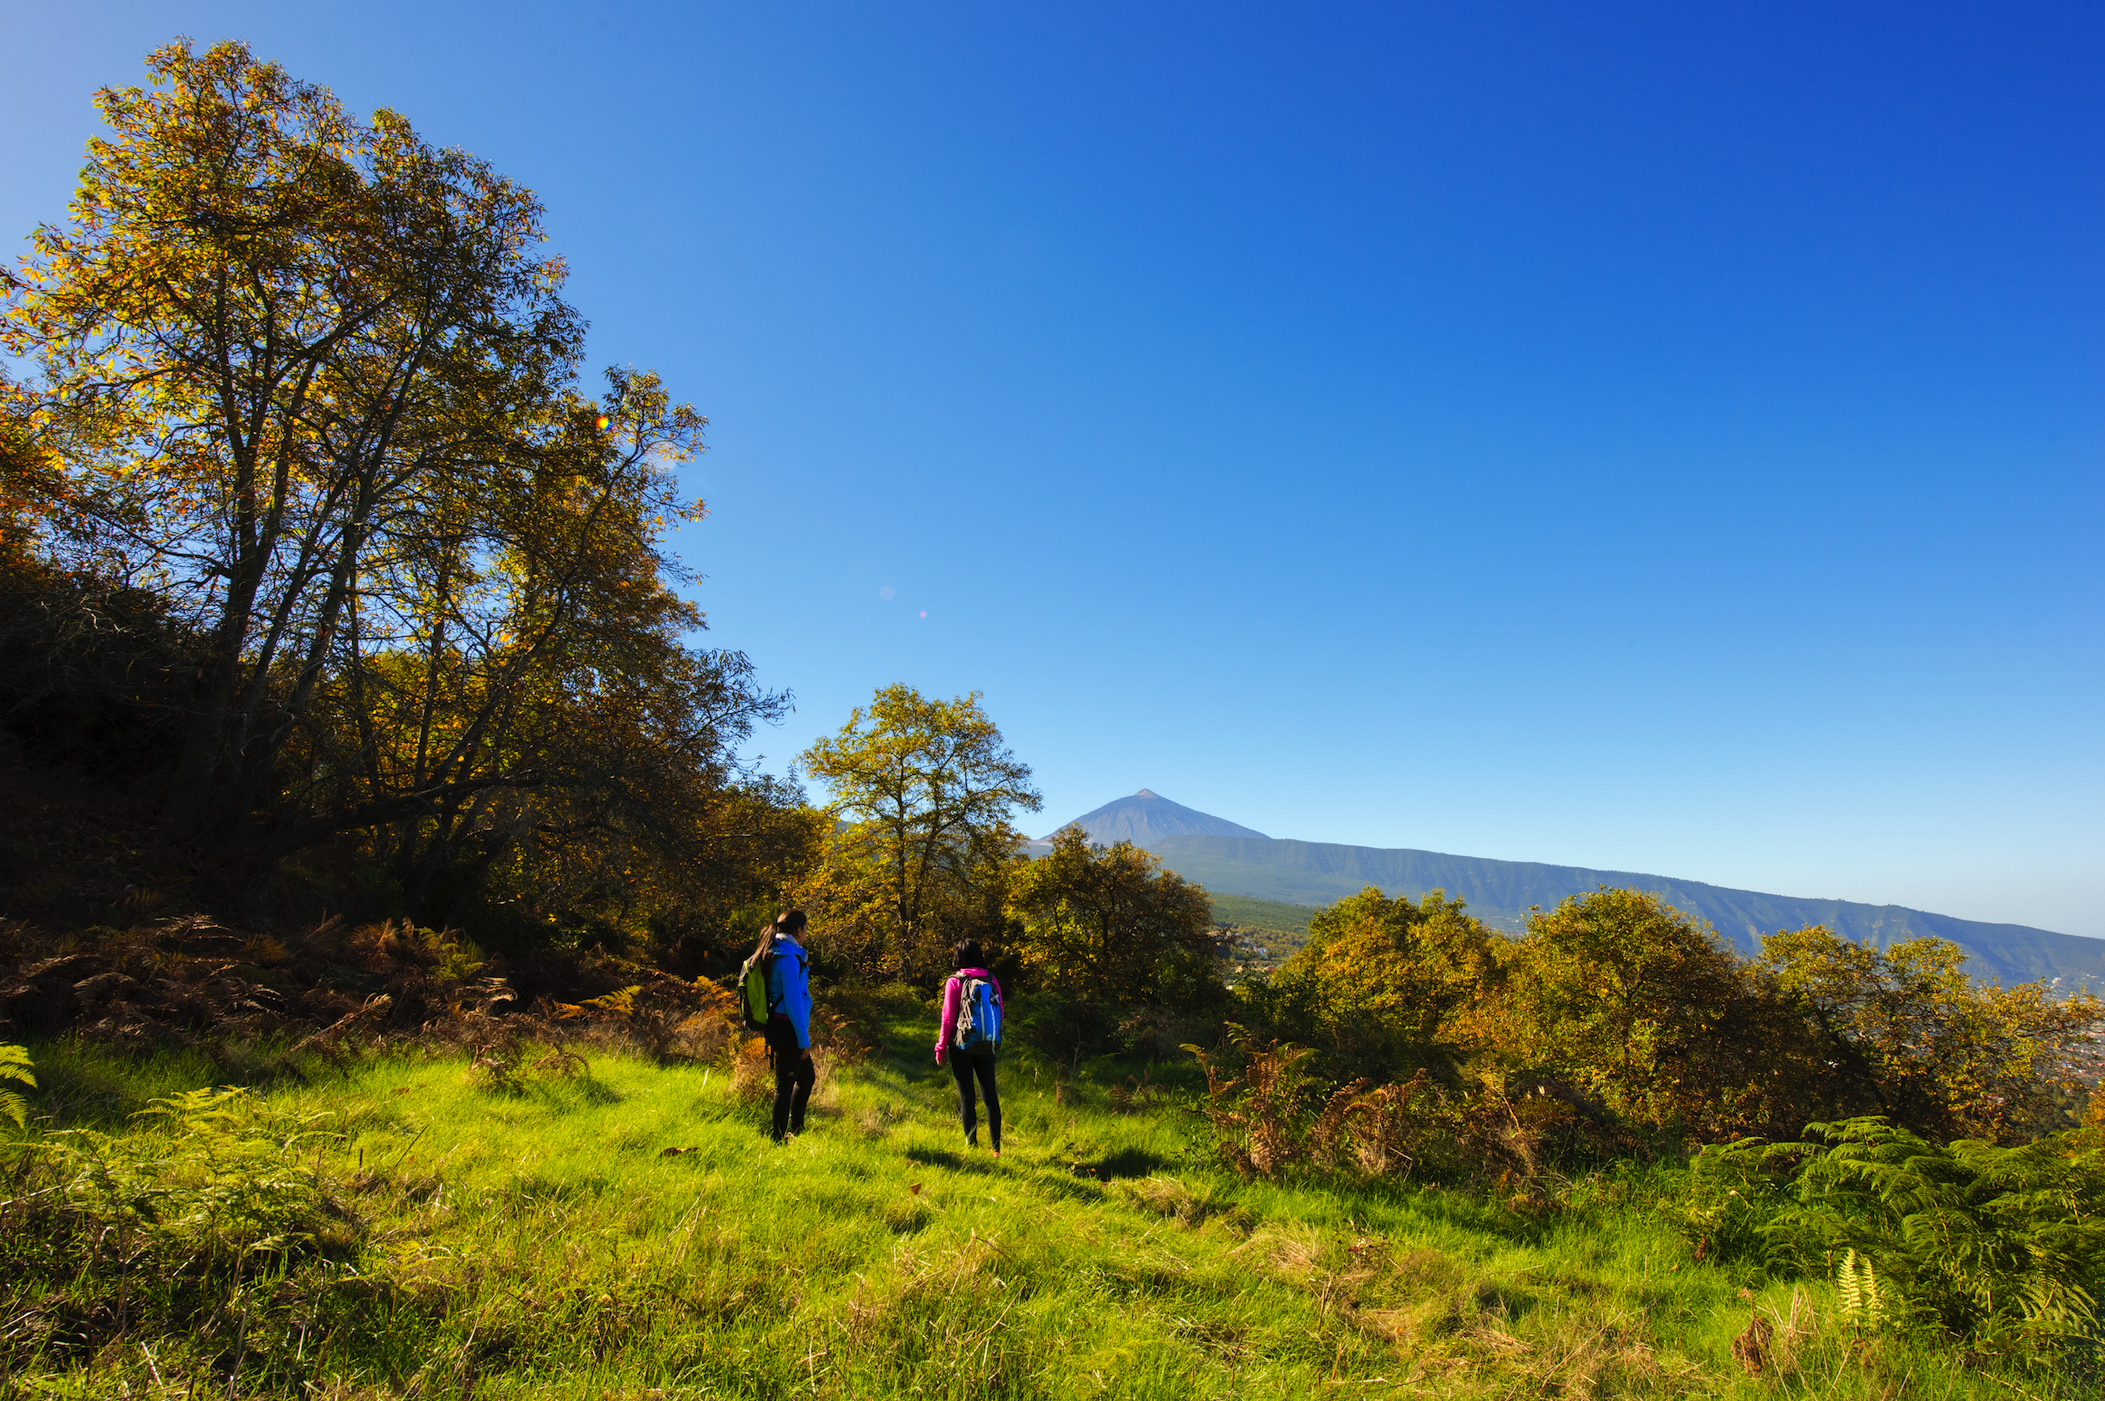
{"type": "Point", "coordinates": [560, 1096]}
{"type": "Point", "coordinates": [1060, 1185]}
{"type": "Point", "coordinates": [81, 1085]}
{"type": "Point", "coordinates": [1126, 1162]}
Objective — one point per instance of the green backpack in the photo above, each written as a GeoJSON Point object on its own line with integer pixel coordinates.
{"type": "Point", "coordinates": [753, 1004]}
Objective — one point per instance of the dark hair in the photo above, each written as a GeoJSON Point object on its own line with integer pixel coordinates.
{"type": "Point", "coordinates": [790, 922]}
{"type": "Point", "coordinates": [970, 955]}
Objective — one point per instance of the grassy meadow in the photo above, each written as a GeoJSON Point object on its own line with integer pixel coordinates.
{"type": "Point", "coordinates": [613, 1227]}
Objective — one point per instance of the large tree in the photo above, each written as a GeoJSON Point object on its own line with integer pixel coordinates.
{"type": "Point", "coordinates": [313, 381]}
{"type": "Point", "coordinates": [925, 790]}
{"type": "Point", "coordinates": [524, 657]}
{"type": "Point", "coordinates": [275, 342]}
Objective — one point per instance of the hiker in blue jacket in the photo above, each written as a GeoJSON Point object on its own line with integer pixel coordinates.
{"type": "Point", "coordinates": [788, 1031]}
{"type": "Point", "coordinates": [970, 1030]}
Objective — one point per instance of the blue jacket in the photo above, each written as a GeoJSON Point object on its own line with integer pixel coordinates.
{"type": "Point", "coordinates": [789, 987]}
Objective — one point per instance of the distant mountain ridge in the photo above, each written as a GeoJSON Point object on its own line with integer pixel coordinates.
{"type": "Point", "coordinates": [1226, 857]}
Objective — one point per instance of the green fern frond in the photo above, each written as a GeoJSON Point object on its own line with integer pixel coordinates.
{"type": "Point", "coordinates": [1874, 1297]}
{"type": "Point", "coordinates": [2059, 1306]}
{"type": "Point", "coordinates": [1846, 1282]}
{"type": "Point", "coordinates": [15, 1065]}
{"type": "Point", "coordinates": [1864, 1298]}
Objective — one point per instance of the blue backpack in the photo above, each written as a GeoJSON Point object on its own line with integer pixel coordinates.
{"type": "Point", "coordinates": [978, 1016]}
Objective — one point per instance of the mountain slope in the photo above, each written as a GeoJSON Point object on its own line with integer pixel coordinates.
{"type": "Point", "coordinates": [1500, 892]}
{"type": "Point", "coordinates": [1146, 817]}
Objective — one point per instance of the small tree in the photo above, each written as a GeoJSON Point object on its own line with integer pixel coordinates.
{"type": "Point", "coordinates": [1109, 923]}
{"type": "Point", "coordinates": [925, 789]}
{"type": "Point", "coordinates": [1381, 983]}
{"type": "Point", "coordinates": [1631, 1000]}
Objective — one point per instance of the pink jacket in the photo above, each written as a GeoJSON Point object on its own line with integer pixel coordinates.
{"type": "Point", "coordinates": [952, 991]}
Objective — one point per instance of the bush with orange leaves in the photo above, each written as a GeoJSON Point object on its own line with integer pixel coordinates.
{"type": "Point", "coordinates": [1272, 1118]}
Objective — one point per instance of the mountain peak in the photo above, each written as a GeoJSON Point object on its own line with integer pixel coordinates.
{"type": "Point", "coordinates": [1148, 816]}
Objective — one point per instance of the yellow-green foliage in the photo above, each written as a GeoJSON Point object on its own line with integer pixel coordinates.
{"type": "Point", "coordinates": [1951, 1057]}
{"type": "Point", "coordinates": [1110, 923]}
{"type": "Point", "coordinates": [1649, 1012]}
{"type": "Point", "coordinates": [214, 1179]}
{"type": "Point", "coordinates": [631, 1232]}
{"type": "Point", "coordinates": [1864, 1301]}
{"type": "Point", "coordinates": [923, 790]}
{"type": "Point", "coordinates": [1378, 987]}
{"type": "Point", "coordinates": [1664, 1033]}
{"type": "Point", "coordinates": [16, 1066]}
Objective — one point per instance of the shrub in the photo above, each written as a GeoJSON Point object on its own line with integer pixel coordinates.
{"type": "Point", "coordinates": [1652, 1015]}
{"type": "Point", "coordinates": [1270, 1115]}
{"type": "Point", "coordinates": [1260, 1117]}
{"type": "Point", "coordinates": [1375, 1131]}
{"type": "Point", "coordinates": [94, 674]}
{"type": "Point", "coordinates": [233, 1178]}
{"type": "Point", "coordinates": [1109, 924]}
{"type": "Point", "coordinates": [1920, 1041]}
{"type": "Point", "coordinates": [752, 1071]}
{"type": "Point", "coordinates": [1734, 1191]}
{"type": "Point", "coordinates": [2004, 1247]}
{"type": "Point", "coordinates": [1378, 988]}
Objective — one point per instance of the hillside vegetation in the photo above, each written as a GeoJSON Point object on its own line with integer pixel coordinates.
{"type": "Point", "coordinates": [1246, 912]}
{"type": "Point", "coordinates": [435, 1225]}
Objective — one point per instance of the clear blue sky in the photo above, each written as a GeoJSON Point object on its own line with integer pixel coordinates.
{"type": "Point", "coordinates": [1655, 437]}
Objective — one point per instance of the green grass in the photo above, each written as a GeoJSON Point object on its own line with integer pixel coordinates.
{"type": "Point", "coordinates": [548, 1242]}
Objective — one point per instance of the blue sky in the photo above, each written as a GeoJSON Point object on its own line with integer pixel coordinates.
{"type": "Point", "coordinates": [1659, 437]}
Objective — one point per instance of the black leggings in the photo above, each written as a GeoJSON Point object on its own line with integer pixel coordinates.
{"type": "Point", "coordinates": [794, 1077]}
{"type": "Point", "coordinates": [964, 1065]}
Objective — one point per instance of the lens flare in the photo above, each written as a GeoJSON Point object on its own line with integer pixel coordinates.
{"type": "Point", "coordinates": [603, 421]}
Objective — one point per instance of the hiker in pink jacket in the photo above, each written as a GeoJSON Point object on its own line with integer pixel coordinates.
{"type": "Point", "coordinates": [971, 1030]}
